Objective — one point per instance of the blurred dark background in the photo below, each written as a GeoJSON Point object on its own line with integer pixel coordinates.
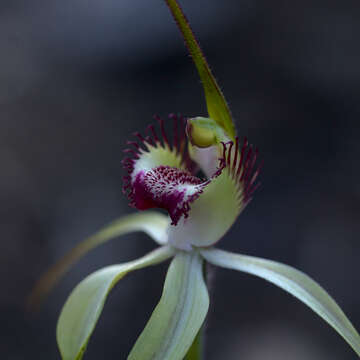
{"type": "Point", "coordinates": [78, 77]}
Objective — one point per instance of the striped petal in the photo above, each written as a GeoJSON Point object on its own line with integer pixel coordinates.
{"type": "Point", "coordinates": [179, 315]}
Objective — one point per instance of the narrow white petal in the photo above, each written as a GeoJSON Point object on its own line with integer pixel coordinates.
{"type": "Point", "coordinates": [84, 306]}
{"type": "Point", "coordinates": [179, 315]}
{"type": "Point", "coordinates": [296, 283]}
{"type": "Point", "coordinates": [152, 223]}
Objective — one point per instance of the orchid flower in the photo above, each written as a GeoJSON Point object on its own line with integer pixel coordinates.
{"type": "Point", "coordinates": [162, 173]}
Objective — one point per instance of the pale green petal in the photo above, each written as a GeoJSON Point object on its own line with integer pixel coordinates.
{"type": "Point", "coordinates": [296, 283]}
{"type": "Point", "coordinates": [211, 215]}
{"type": "Point", "coordinates": [215, 208]}
{"type": "Point", "coordinates": [83, 307]}
{"type": "Point", "coordinates": [152, 223]}
{"type": "Point", "coordinates": [155, 156]}
{"type": "Point", "coordinates": [216, 104]}
{"type": "Point", "coordinates": [179, 315]}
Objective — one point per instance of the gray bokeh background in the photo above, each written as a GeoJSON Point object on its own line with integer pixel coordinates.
{"type": "Point", "coordinates": [78, 77]}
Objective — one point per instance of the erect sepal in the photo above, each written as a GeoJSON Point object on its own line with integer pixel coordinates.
{"type": "Point", "coordinates": [215, 101]}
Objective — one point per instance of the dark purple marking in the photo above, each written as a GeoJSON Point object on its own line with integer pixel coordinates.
{"type": "Point", "coordinates": [159, 188]}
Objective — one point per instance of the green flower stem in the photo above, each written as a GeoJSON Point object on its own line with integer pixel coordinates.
{"type": "Point", "coordinates": [196, 350]}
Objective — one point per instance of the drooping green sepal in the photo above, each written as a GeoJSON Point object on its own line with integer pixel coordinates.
{"type": "Point", "coordinates": [216, 104]}
{"type": "Point", "coordinates": [152, 223]}
{"type": "Point", "coordinates": [84, 306]}
{"type": "Point", "coordinates": [294, 282]}
{"type": "Point", "coordinates": [178, 316]}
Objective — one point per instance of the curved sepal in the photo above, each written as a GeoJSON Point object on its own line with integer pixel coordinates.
{"type": "Point", "coordinates": [84, 306]}
{"type": "Point", "coordinates": [296, 283]}
{"type": "Point", "coordinates": [179, 315]}
{"type": "Point", "coordinates": [152, 223]}
{"type": "Point", "coordinates": [216, 104]}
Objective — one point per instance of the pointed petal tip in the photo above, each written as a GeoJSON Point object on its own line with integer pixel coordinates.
{"type": "Point", "coordinates": [294, 282]}
{"type": "Point", "coordinates": [152, 223]}
{"type": "Point", "coordinates": [217, 106]}
{"type": "Point", "coordinates": [83, 308]}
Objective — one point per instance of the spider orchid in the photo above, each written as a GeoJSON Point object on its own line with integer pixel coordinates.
{"type": "Point", "coordinates": [162, 173]}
